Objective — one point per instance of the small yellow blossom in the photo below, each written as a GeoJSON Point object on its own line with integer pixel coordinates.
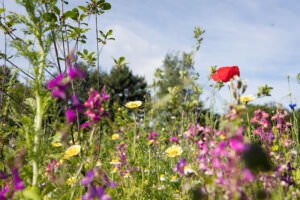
{"type": "Point", "coordinates": [174, 150]}
{"type": "Point", "coordinates": [127, 175]}
{"type": "Point", "coordinates": [114, 170]}
{"type": "Point", "coordinates": [146, 181]}
{"type": "Point", "coordinates": [66, 157]}
{"type": "Point", "coordinates": [150, 142]}
{"type": "Point", "coordinates": [162, 177]}
{"type": "Point", "coordinates": [99, 163]}
{"type": "Point", "coordinates": [115, 162]}
{"type": "Point", "coordinates": [60, 162]}
{"type": "Point", "coordinates": [57, 144]}
{"type": "Point", "coordinates": [188, 170]}
{"type": "Point", "coordinates": [133, 104]}
{"type": "Point", "coordinates": [246, 99]}
{"type": "Point", "coordinates": [174, 179]}
{"type": "Point", "coordinates": [71, 181]}
{"type": "Point", "coordinates": [115, 136]}
{"type": "Point", "coordinates": [73, 151]}
{"type": "Point", "coordinates": [222, 137]}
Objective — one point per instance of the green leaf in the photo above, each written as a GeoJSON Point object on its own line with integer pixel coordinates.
{"type": "Point", "coordinates": [31, 193]}
{"type": "Point", "coordinates": [50, 17]}
{"type": "Point", "coordinates": [56, 10]}
{"type": "Point", "coordinates": [2, 10]}
{"type": "Point", "coordinates": [121, 59]}
{"type": "Point", "coordinates": [105, 6]}
{"type": "Point", "coordinates": [83, 8]}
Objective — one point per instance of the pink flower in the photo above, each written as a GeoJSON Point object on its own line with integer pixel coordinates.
{"type": "Point", "coordinates": [71, 116]}
{"type": "Point", "coordinates": [174, 139]}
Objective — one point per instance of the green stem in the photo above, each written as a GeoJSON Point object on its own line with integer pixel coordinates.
{"type": "Point", "coordinates": [38, 118]}
{"type": "Point", "coordinates": [134, 136]}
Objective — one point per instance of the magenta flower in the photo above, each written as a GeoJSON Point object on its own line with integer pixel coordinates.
{"type": "Point", "coordinates": [174, 139]}
{"type": "Point", "coordinates": [75, 72]}
{"type": "Point", "coordinates": [86, 125]}
{"type": "Point", "coordinates": [3, 192]}
{"type": "Point", "coordinates": [58, 87]}
{"type": "Point", "coordinates": [19, 185]}
{"type": "Point", "coordinates": [237, 145]}
{"type": "Point", "coordinates": [153, 136]}
{"type": "Point", "coordinates": [247, 175]}
{"type": "Point", "coordinates": [71, 116]}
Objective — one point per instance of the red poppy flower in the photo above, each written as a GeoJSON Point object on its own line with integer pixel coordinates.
{"type": "Point", "coordinates": [224, 74]}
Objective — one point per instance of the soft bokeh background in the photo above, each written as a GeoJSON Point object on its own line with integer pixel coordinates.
{"type": "Point", "coordinates": [261, 37]}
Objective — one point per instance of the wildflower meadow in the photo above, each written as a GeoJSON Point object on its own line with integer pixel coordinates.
{"type": "Point", "coordinates": [69, 130]}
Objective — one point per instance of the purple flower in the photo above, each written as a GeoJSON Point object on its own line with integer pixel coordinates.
{"type": "Point", "coordinates": [272, 137]}
{"type": "Point", "coordinates": [57, 82]}
{"type": "Point", "coordinates": [3, 175]}
{"type": "Point", "coordinates": [85, 125]}
{"type": "Point", "coordinates": [58, 87]}
{"type": "Point", "coordinates": [247, 175]}
{"type": "Point", "coordinates": [153, 136]}
{"type": "Point", "coordinates": [237, 145]}
{"type": "Point", "coordinates": [71, 116]}
{"type": "Point", "coordinates": [180, 166]}
{"type": "Point", "coordinates": [174, 139]}
{"type": "Point", "coordinates": [76, 103]}
{"type": "Point", "coordinates": [75, 72]}
{"type": "Point", "coordinates": [19, 185]}
{"type": "Point", "coordinates": [88, 179]}
{"type": "Point", "coordinates": [3, 192]}
{"type": "Point", "coordinates": [58, 93]}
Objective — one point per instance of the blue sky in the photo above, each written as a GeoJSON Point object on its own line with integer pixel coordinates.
{"type": "Point", "coordinates": [261, 37]}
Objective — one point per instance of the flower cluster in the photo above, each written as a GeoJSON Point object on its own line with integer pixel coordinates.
{"type": "Point", "coordinates": [94, 105]}
{"type": "Point", "coordinates": [92, 181]}
{"type": "Point", "coordinates": [12, 185]}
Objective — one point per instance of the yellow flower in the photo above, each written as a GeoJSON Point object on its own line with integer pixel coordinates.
{"type": "Point", "coordinates": [72, 151]}
{"type": "Point", "coordinates": [57, 144]}
{"type": "Point", "coordinates": [115, 162]}
{"type": "Point", "coordinates": [222, 137]}
{"type": "Point", "coordinates": [115, 136]}
{"type": "Point", "coordinates": [150, 142]}
{"type": "Point", "coordinates": [127, 175]}
{"type": "Point", "coordinates": [71, 181]}
{"type": "Point", "coordinates": [146, 181]}
{"type": "Point", "coordinates": [133, 104]}
{"type": "Point", "coordinates": [174, 179]}
{"type": "Point", "coordinates": [99, 163]}
{"type": "Point", "coordinates": [246, 99]}
{"type": "Point", "coordinates": [174, 150]}
{"type": "Point", "coordinates": [114, 170]}
{"type": "Point", "coordinates": [162, 177]}
{"type": "Point", "coordinates": [60, 162]}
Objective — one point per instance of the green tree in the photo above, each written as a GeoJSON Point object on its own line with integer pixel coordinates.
{"type": "Point", "coordinates": [123, 86]}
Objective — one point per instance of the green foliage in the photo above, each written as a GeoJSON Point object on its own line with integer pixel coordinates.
{"type": "Point", "coordinates": [264, 90]}
{"type": "Point", "coordinates": [198, 36]}
{"type": "Point", "coordinates": [123, 86]}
